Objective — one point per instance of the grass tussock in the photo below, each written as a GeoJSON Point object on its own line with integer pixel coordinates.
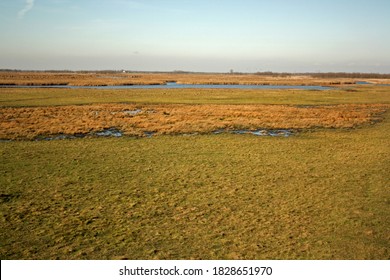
{"type": "Point", "coordinates": [29, 123]}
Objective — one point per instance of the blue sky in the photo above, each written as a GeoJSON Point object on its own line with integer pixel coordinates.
{"type": "Point", "coordinates": [209, 35]}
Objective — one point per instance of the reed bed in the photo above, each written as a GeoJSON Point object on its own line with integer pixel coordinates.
{"type": "Point", "coordinates": [136, 119]}
{"type": "Point", "coordinates": [119, 78]}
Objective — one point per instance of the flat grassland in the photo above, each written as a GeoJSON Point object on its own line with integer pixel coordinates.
{"type": "Point", "coordinates": [322, 193]}
{"type": "Point", "coordinates": [118, 78]}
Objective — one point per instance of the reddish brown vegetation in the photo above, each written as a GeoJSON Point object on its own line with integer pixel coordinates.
{"type": "Point", "coordinates": [28, 123]}
{"type": "Point", "coordinates": [118, 78]}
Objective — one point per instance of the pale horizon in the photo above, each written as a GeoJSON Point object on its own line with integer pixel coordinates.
{"type": "Point", "coordinates": [196, 36]}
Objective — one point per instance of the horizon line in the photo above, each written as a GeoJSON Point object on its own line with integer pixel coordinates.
{"type": "Point", "coordinates": [196, 72]}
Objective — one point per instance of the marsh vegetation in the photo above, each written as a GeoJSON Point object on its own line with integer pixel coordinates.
{"type": "Point", "coordinates": [119, 78]}
{"type": "Point", "coordinates": [322, 193]}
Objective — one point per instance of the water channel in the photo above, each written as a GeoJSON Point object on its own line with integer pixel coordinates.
{"type": "Point", "coordinates": [173, 85]}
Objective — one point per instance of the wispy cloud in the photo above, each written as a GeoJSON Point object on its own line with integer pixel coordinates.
{"type": "Point", "coordinates": [27, 7]}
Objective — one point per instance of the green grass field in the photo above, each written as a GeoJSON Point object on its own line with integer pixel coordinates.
{"type": "Point", "coordinates": [322, 194]}
{"type": "Point", "coordinates": [57, 97]}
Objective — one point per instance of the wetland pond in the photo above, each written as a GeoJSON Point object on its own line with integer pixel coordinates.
{"type": "Point", "coordinates": [174, 85]}
{"type": "Point", "coordinates": [114, 132]}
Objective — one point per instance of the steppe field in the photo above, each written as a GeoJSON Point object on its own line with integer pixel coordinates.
{"type": "Point", "coordinates": [95, 173]}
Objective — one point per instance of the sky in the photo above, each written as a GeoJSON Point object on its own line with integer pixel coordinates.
{"type": "Point", "coordinates": [201, 35]}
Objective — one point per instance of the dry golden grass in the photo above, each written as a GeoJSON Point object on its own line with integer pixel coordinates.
{"type": "Point", "coordinates": [132, 119]}
{"type": "Point", "coordinates": [107, 79]}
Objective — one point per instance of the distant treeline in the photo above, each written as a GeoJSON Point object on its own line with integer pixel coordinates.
{"type": "Point", "coordinates": [353, 75]}
{"type": "Point", "coordinates": [65, 71]}
{"type": "Point", "coordinates": [350, 75]}
{"type": "Point", "coordinates": [104, 71]}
